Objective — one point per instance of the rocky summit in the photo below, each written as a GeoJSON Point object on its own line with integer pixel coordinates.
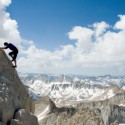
{"type": "Point", "coordinates": [16, 106]}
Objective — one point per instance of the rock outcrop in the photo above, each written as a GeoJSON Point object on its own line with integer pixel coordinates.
{"type": "Point", "coordinates": [104, 112]}
{"type": "Point", "coordinates": [111, 109]}
{"type": "Point", "coordinates": [70, 115]}
{"type": "Point", "coordinates": [115, 123]}
{"type": "Point", "coordinates": [24, 117]}
{"type": "Point", "coordinates": [13, 94]}
{"type": "Point", "coordinates": [69, 110]}
{"type": "Point", "coordinates": [81, 117]}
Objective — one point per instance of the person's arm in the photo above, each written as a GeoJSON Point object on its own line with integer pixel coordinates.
{"type": "Point", "coordinates": [3, 48]}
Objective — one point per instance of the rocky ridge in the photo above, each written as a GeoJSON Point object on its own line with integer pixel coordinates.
{"type": "Point", "coordinates": [15, 102]}
{"type": "Point", "coordinates": [70, 116]}
{"type": "Point", "coordinates": [87, 113]}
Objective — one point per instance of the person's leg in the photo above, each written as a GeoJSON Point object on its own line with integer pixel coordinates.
{"type": "Point", "coordinates": [14, 58]}
{"type": "Point", "coordinates": [15, 63]}
{"type": "Point", "coordinates": [11, 54]}
{"type": "Point", "coordinates": [14, 66]}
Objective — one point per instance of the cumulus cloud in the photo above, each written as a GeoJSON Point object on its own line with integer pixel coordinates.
{"type": "Point", "coordinates": [4, 3]}
{"type": "Point", "coordinates": [121, 23]}
{"type": "Point", "coordinates": [8, 27]}
{"type": "Point", "coordinates": [83, 36]}
{"type": "Point", "coordinates": [45, 61]}
{"type": "Point", "coordinates": [100, 28]}
{"type": "Point", "coordinates": [98, 49]}
{"type": "Point", "coordinates": [107, 49]}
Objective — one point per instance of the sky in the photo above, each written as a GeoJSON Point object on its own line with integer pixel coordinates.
{"type": "Point", "coordinates": [66, 36]}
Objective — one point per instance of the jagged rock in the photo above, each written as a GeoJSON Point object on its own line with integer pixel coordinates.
{"type": "Point", "coordinates": [1, 123]}
{"type": "Point", "coordinates": [13, 94]}
{"type": "Point", "coordinates": [49, 120]}
{"type": "Point", "coordinates": [16, 122]}
{"type": "Point", "coordinates": [24, 117]}
{"type": "Point", "coordinates": [110, 109]}
{"type": "Point", "coordinates": [115, 123]}
{"type": "Point", "coordinates": [68, 115]}
{"type": "Point", "coordinates": [42, 104]}
{"type": "Point", "coordinates": [85, 117]}
{"type": "Point", "coordinates": [61, 116]}
{"type": "Point", "coordinates": [54, 109]}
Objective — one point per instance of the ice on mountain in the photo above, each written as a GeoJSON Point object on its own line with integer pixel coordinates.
{"type": "Point", "coordinates": [76, 79]}
{"type": "Point", "coordinates": [71, 87]}
{"type": "Point", "coordinates": [123, 105]}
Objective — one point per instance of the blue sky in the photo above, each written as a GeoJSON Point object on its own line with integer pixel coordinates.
{"type": "Point", "coordinates": [84, 37]}
{"type": "Point", "coordinates": [48, 21]}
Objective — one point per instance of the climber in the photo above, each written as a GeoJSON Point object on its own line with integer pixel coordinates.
{"type": "Point", "coordinates": [14, 52]}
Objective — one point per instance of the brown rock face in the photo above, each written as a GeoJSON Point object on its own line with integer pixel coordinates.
{"type": "Point", "coordinates": [16, 122]}
{"type": "Point", "coordinates": [70, 116]}
{"type": "Point", "coordinates": [24, 117]}
{"type": "Point", "coordinates": [13, 94]}
{"type": "Point", "coordinates": [81, 117]}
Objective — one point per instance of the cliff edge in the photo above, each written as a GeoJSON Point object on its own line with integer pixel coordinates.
{"type": "Point", "coordinates": [16, 106]}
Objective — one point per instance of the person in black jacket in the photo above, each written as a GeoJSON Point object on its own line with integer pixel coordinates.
{"type": "Point", "coordinates": [14, 52]}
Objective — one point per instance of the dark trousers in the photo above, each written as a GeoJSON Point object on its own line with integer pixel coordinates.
{"type": "Point", "coordinates": [13, 54]}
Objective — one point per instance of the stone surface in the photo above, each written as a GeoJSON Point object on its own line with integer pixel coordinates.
{"type": "Point", "coordinates": [81, 117]}
{"type": "Point", "coordinates": [53, 109]}
{"type": "Point", "coordinates": [110, 109]}
{"type": "Point", "coordinates": [24, 117]}
{"type": "Point", "coordinates": [13, 94]}
{"type": "Point", "coordinates": [100, 113]}
{"type": "Point", "coordinates": [16, 122]}
{"type": "Point", "coordinates": [1, 123]}
{"type": "Point", "coordinates": [71, 116]}
{"type": "Point", "coordinates": [115, 123]}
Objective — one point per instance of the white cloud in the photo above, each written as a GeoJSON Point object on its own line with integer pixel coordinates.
{"type": "Point", "coordinates": [8, 27]}
{"type": "Point", "coordinates": [83, 36]}
{"type": "Point", "coordinates": [121, 23]}
{"type": "Point", "coordinates": [99, 49]}
{"type": "Point", "coordinates": [4, 3]}
{"type": "Point", "coordinates": [100, 28]}
{"type": "Point", "coordinates": [44, 60]}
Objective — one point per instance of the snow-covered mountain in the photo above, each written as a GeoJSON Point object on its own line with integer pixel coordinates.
{"type": "Point", "coordinates": [71, 89]}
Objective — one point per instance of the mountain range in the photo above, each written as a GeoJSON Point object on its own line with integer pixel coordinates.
{"type": "Point", "coordinates": [104, 94]}
{"type": "Point", "coordinates": [72, 88]}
